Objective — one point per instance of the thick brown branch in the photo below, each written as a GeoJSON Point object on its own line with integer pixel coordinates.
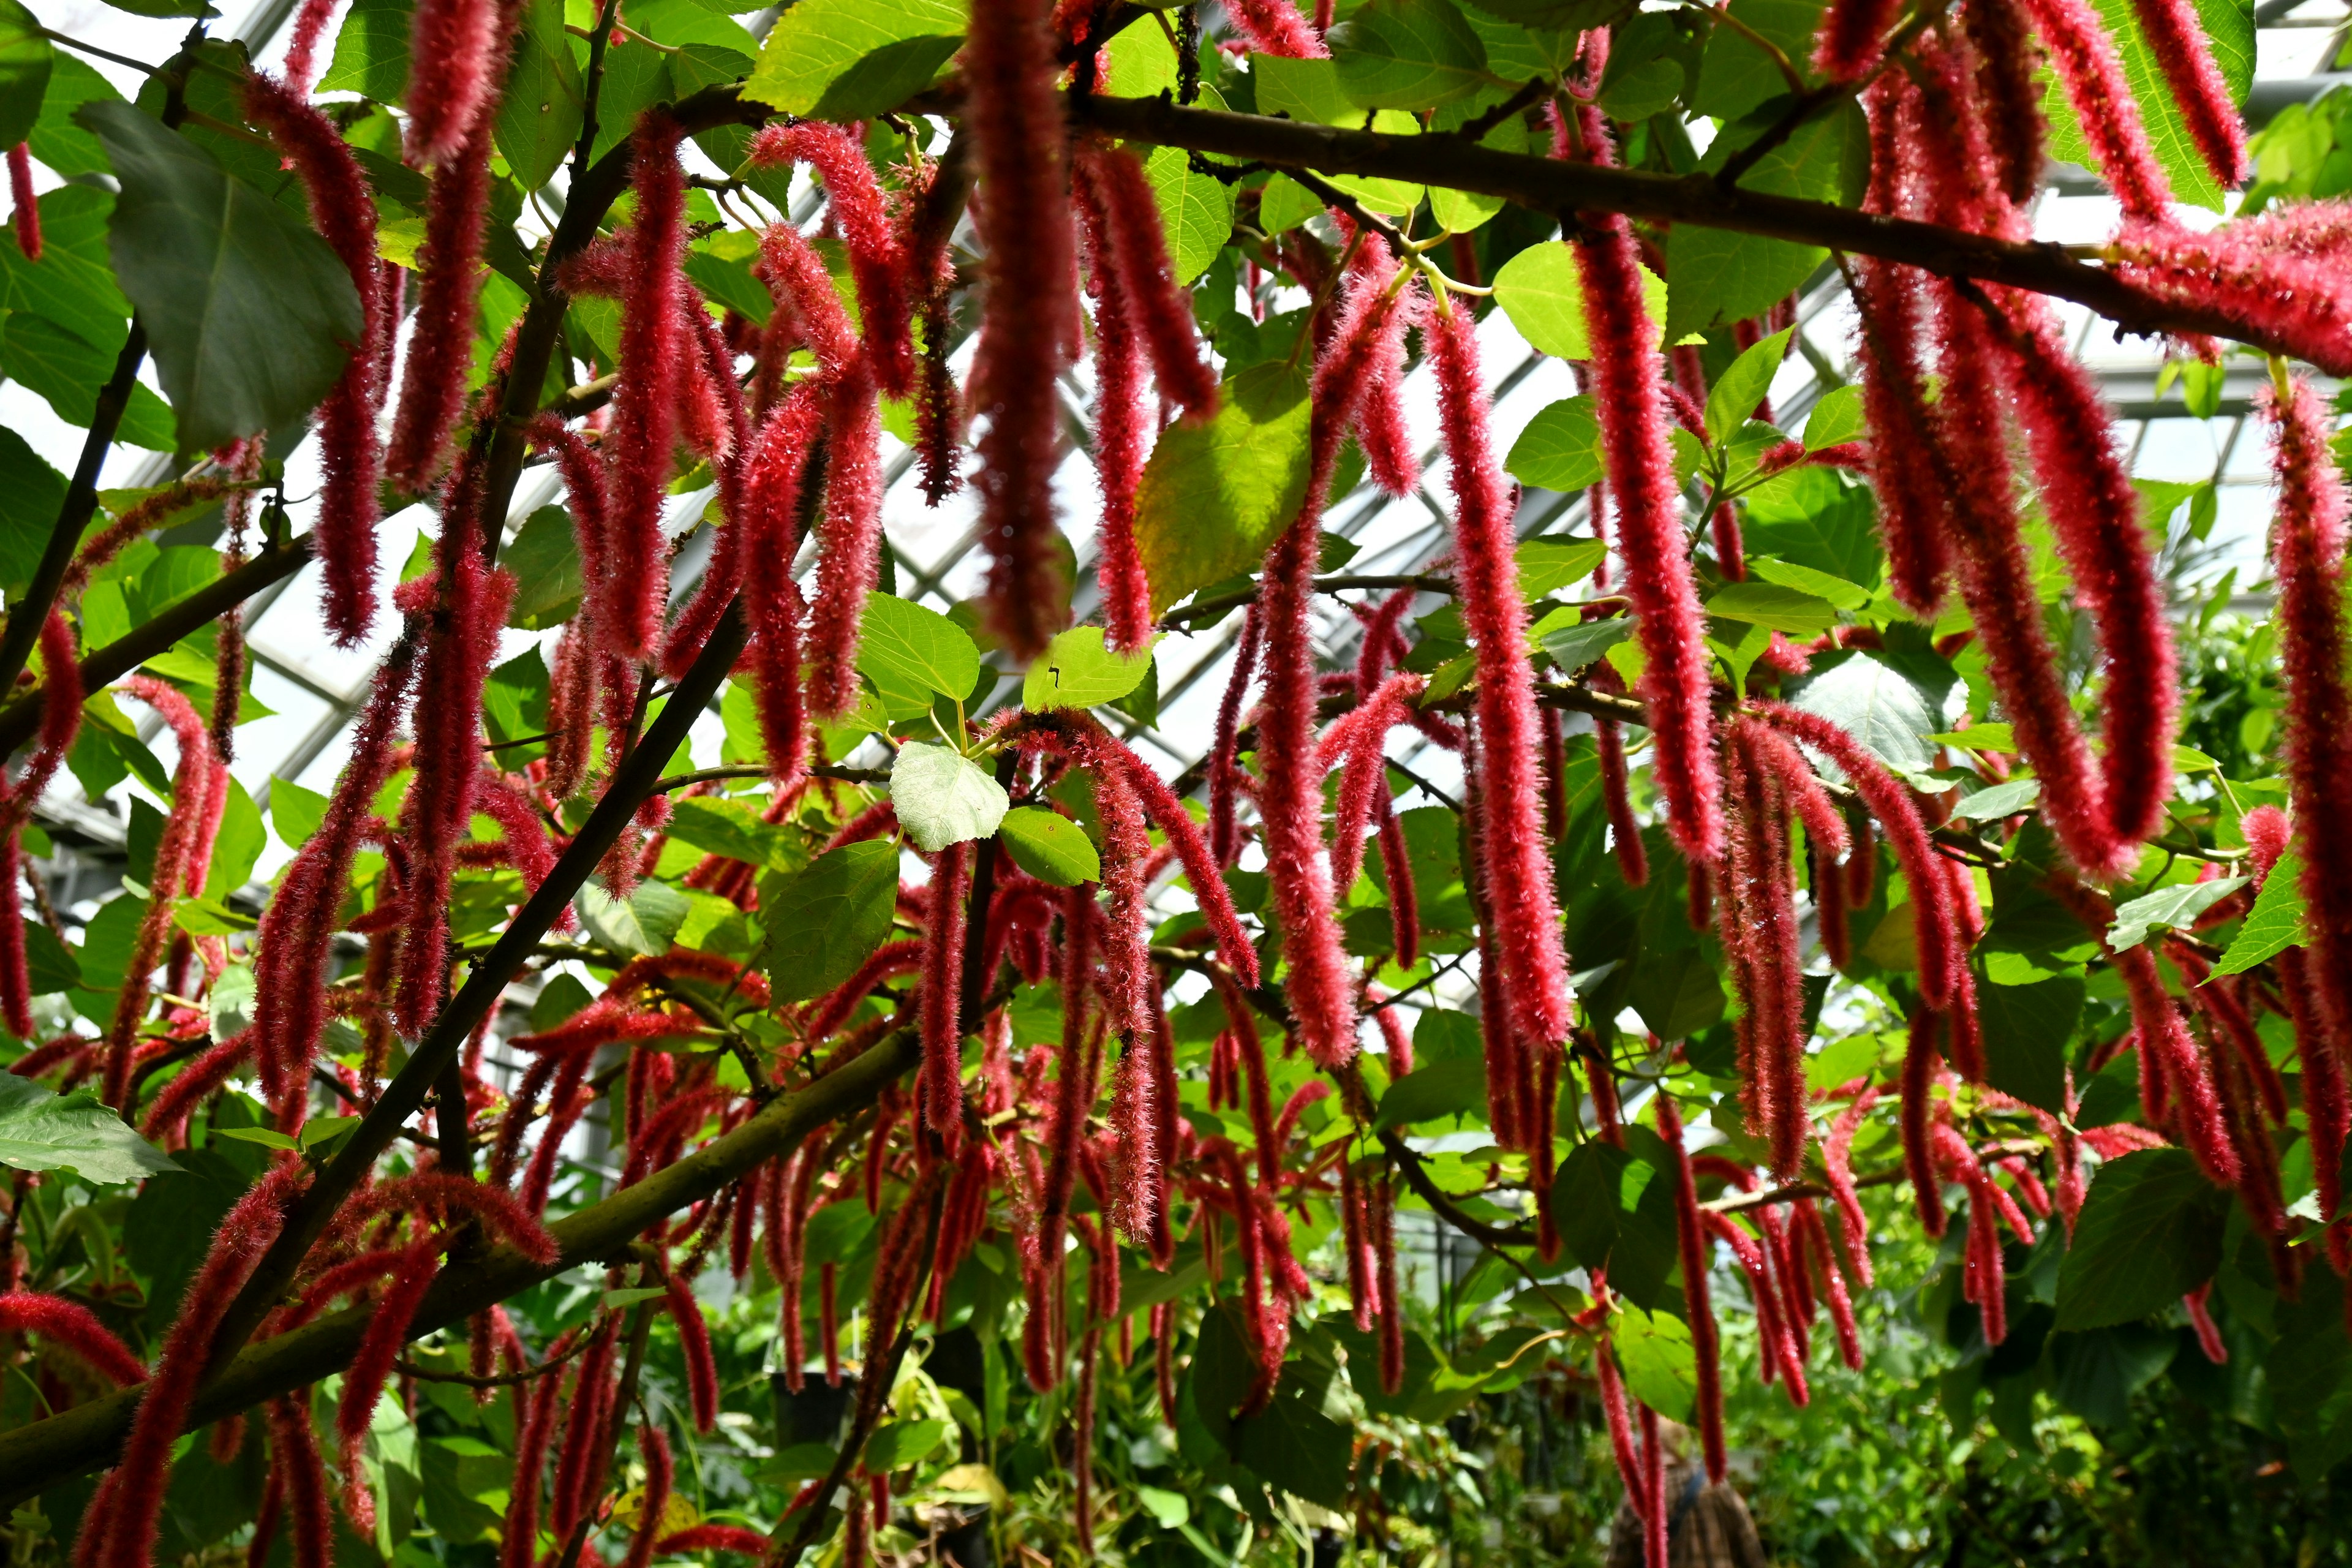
{"type": "Point", "coordinates": [1548, 185]}
{"type": "Point", "coordinates": [36, 1457]}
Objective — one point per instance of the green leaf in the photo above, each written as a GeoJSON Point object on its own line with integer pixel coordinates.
{"type": "Point", "coordinates": [853, 59]}
{"type": "Point", "coordinates": [1050, 846]}
{"type": "Point", "coordinates": [1294, 1444]}
{"type": "Point", "coordinates": [1196, 210]}
{"type": "Point", "coordinates": [1764, 603]}
{"type": "Point", "coordinates": [2174, 908]}
{"type": "Point", "coordinates": [42, 1130]}
{"type": "Point", "coordinates": [209, 917]}
{"type": "Point", "coordinates": [30, 493]}
{"type": "Point", "coordinates": [295, 811]}
{"type": "Point", "coordinates": [1310, 90]}
{"type": "Point", "coordinates": [913, 653]}
{"type": "Point", "coordinates": [545, 560]}
{"type": "Point", "coordinates": [27, 59]}
{"type": "Point", "coordinates": [371, 51]}
{"type": "Point", "coordinates": [56, 141]}
{"type": "Point", "coordinates": [731, 828]}
{"type": "Point", "coordinates": [268, 1137]}
{"type": "Point", "coordinates": [943, 797]}
{"type": "Point", "coordinates": [2002, 800]}
{"type": "Point", "coordinates": [1738, 76]}
{"type": "Point", "coordinates": [2150, 1232]}
{"type": "Point", "coordinates": [1548, 566]}
{"type": "Point", "coordinates": [49, 963]}
{"type": "Point", "coordinates": [1216, 494]}
{"type": "Point", "coordinates": [1720, 277]}
{"type": "Point", "coordinates": [1678, 991]}
{"type": "Point", "coordinates": [1660, 1363]}
{"type": "Point", "coordinates": [1573, 647]}
{"type": "Point", "coordinates": [2159, 112]}
{"type": "Point", "coordinates": [541, 108]}
{"type": "Point", "coordinates": [1560, 447]}
{"type": "Point", "coordinates": [325, 1130]}
{"type": "Point", "coordinates": [1836, 419]}
{"type": "Point", "coordinates": [1846, 595]}
{"type": "Point", "coordinates": [2273, 924]}
{"type": "Point", "coordinates": [249, 315]}
{"type": "Point", "coordinates": [1078, 671]}
{"type": "Point", "coordinates": [826, 920]}
{"type": "Point", "coordinates": [1408, 53]}
{"type": "Point", "coordinates": [631, 1296]}
{"type": "Point", "coordinates": [2026, 1028]}
{"type": "Point", "coordinates": [67, 371]}
{"type": "Point", "coordinates": [1817, 518]}
{"type": "Point", "coordinates": [1538, 289]}
{"type": "Point", "coordinates": [1442, 1088]}
{"type": "Point", "coordinates": [902, 1443]}
{"type": "Point", "coordinates": [647, 922]}
{"type": "Point", "coordinates": [1885, 710]}
{"type": "Point", "coordinates": [1740, 388]}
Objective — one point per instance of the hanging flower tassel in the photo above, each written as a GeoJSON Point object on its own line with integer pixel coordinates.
{"type": "Point", "coordinates": [441, 331]}
{"type": "Point", "coordinates": [26, 217]}
{"type": "Point", "coordinates": [653, 357]}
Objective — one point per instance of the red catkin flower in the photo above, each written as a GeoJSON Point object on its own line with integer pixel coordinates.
{"type": "Point", "coordinates": [302, 44]}
{"type": "Point", "coordinates": [2200, 1318]}
{"type": "Point", "coordinates": [2006, 85]}
{"type": "Point", "coordinates": [694, 1341]}
{"type": "Point", "coordinates": [714, 1537]}
{"type": "Point", "coordinates": [1517, 869]}
{"type": "Point", "coordinates": [2257, 273]}
{"type": "Point", "coordinates": [441, 334]}
{"type": "Point", "coordinates": [1121, 428]}
{"type": "Point", "coordinates": [457, 59]}
{"type": "Point", "coordinates": [1837, 1161]}
{"type": "Point", "coordinates": [304, 1480]}
{"type": "Point", "coordinates": [191, 791]}
{"type": "Point", "coordinates": [1028, 324]}
{"type": "Point", "coordinates": [2307, 546]}
{"type": "Point", "coordinates": [1224, 770]}
{"type": "Point", "coordinates": [644, 404]}
{"type": "Point", "coordinates": [1276, 28]}
{"type": "Point", "coordinates": [942, 1022]}
{"type": "Point", "coordinates": [1690, 1238]}
{"type": "Point", "coordinates": [1817, 1244]}
{"type": "Point", "coordinates": [73, 1327]}
{"type": "Point", "coordinates": [60, 721]}
{"type": "Point", "coordinates": [371, 1368]}
{"type": "Point", "coordinates": [2083, 56]}
{"type": "Point", "coordinates": [1355, 742]}
{"type": "Point", "coordinates": [2176, 37]}
{"type": "Point", "coordinates": [25, 215]}
{"type": "Point", "coordinates": [121, 1523]}
{"type": "Point", "coordinates": [1138, 252]}
{"type": "Point", "coordinates": [1759, 923]}
{"type": "Point", "coordinates": [1631, 404]}
{"type": "Point", "coordinates": [345, 215]}
{"type": "Point", "coordinates": [771, 601]}
{"type": "Point", "coordinates": [877, 263]}
{"type": "Point", "coordinates": [1848, 41]}
{"type": "Point", "coordinates": [653, 1447]}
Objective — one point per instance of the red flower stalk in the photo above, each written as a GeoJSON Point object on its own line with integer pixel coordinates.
{"type": "Point", "coordinates": [583, 1430]}
{"type": "Point", "coordinates": [943, 940]}
{"type": "Point", "coordinates": [1241, 1029]}
{"type": "Point", "coordinates": [302, 44]}
{"type": "Point", "coordinates": [644, 406]}
{"type": "Point", "coordinates": [1073, 1088]}
{"type": "Point", "coordinates": [849, 566]}
{"type": "Point", "coordinates": [771, 601]}
{"type": "Point", "coordinates": [877, 263]}
{"type": "Point", "coordinates": [121, 1523]}
{"type": "Point", "coordinates": [191, 791]}
{"type": "Point", "coordinates": [2226, 1018]}
{"type": "Point", "coordinates": [1776, 1344]}
{"type": "Point", "coordinates": [1759, 923]}
{"type": "Point", "coordinates": [298, 928]}
{"type": "Point", "coordinates": [694, 1343]}
{"type": "Point", "coordinates": [2279, 293]}
{"type": "Point", "coordinates": [2094, 514]}
{"type": "Point", "coordinates": [713, 1537]}
{"type": "Point", "coordinates": [1517, 870]}
{"type": "Point", "coordinates": [1922, 1063]}
{"type": "Point", "coordinates": [1690, 1240]}
{"type": "Point", "coordinates": [1138, 253]}
{"type": "Point", "coordinates": [1388, 454]}
{"type": "Point", "coordinates": [1816, 1243]}
{"type": "Point", "coordinates": [1276, 28]}
{"type": "Point", "coordinates": [345, 215]}
{"type": "Point", "coordinates": [75, 1329]}
{"type": "Point", "coordinates": [1121, 424]}
{"type": "Point", "coordinates": [152, 512]}
{"type": "Point", "coordinates": [2006, 64]}
{"type": "Point", "coordinates": [1111, 759]}
{"type": "Point", "coordinates": [2083, 56]}
{"type": "Point", "coordinates": [2200, 1318]}
{"type": "Point", "coordinates": [2171, 1068]}
{"type": "Point", "coordinates": [441, 336]}
{"type": "Point", "coordinates": [167, 1119]}
{"type": "Point", "coordinates": [302, 1478]}
{"type": "Point", "coordinates": [1355, 741]}
{"type": "Point", "coordinates": [2307, 547]}
{"type": "Point", "coordinates": [1404, 903]}
{"type": "Point", "coordinates": [445, 1196]}
{"type": "Point", "coordinates": [25, 215]}
{"type": "Point", "coordinates": [653, 1447]}
{"type": "Point", "coordinates": [2177, 38]}
{"type": "Point", "coordinates": [1356, 1242]}
{"type": "Point", "coordinates": [1509, 1085]}
{"type": "Point", "coordinates": [1848, 41]}
{"type": "Point", "coordinates": [1616, 1412]}
{"type": "Point", "coordinates": [1224, 768]}
{"type": "Point", "coordinates": [1942, 963]}
{"type": "Point", "coordinates": [457, 59]}
{"type": "Point", "coordinates": [371, 1368]}
{"type": "Point", "coordinates": [1674, 682]}
{"type": "Point", "coordinates": [1837, 1161]}
{"type": "Point", "coordinates": [1028, 324]}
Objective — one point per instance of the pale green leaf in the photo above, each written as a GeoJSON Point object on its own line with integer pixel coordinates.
{"type": "Point", "coordinates": [1837, 418]}
{"type": "Point", "coordinates": [853, 59]}
{"type": "Point", "coordinates": [43, 1131]}
{"type": "Point", "coordinates": [1408, 53]}
{"type": "Point", "coordinates": [1766, 604]}
{"type": "Point", "coordinates": [2174, 908]}
{"type": "Point", "coordinates": [943, 797]}
{"type": "Point", "coordinates": [1078, 671]}
{"type": "Point", "coordinates": [1539, 290]}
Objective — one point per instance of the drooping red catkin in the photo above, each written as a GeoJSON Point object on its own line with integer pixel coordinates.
{"type": "Point", "coordinates": [2176, 36]}
{"type": "Point", "coordinates": [1121, 422]}
{"type": "Point", "coordinates": [1139, 253]}
{"type": "Point", "coordinates": [1224, 766]}
{"type": "Point", "coordinates": [1276, 28]}
{"type": "Point", "coordinates": [1758, 925]}
{"type": "Point", "coordinates": [1690, 1240]}
{"type": "Point", "coordinates": [1817, 1244]}
{"type": "Point", "coordinates": [1518, 870]}
{"type": "Point", "coordinates": [2308, 542]}
{"type": "Point", "coordinates": [2083, 56]}
{"type": "Point", "coordinates": [877, 262]}
{"type": "Point", "coordinates": [302, 44]}
{"type": "Point", "coordinates": [653, 357]}
{"type": "Point", "coordinates": [2200, 1318]}
{"type": "Point", "coordinates": [25, 219]}
{"type": "Point", "coordinates": [371, 1368]}
{"type": "Point", "coordinates": [1355, 743]}
{"type": "Point", "coordinates": [1672, 628]}
{"type": "Point", "coordinates": [73, 1327]}
{"type": "Point", "coordinates": [303, 1477]}
{"type": "Point", "coordinates": [121, 1523]}
{"type": "Point", "coordinates": [653, 1447]}
{"type": "Point", "coordinates": [191, 791]}
{"type": "Point", "coordinates": [441, 331]}
{"type": "Point", "coordinates": [1848, 39]}
{"type": "Point", "coordinates": [1837, 1161]}
{"type": "Point", "coordinates": [713, 1537]}
{"type": "Point", "coordinates": [1922, 1064]}
{"type": "Point", "coordinates": [2168, 1058]}
{"type": "Point", "coordinates": [2006, 65]}
{"type": "Point", "coordinates": [1776, 1341]}
{"type": "Point", "coordinates": [771, 601]}
{"type": "Point", "coordinates": [2094, 514]}
{"type": "Point", "coordinates": [1028, 324]}
{"type": "Point", "coordinates": [1618, 1415]}
{"type": "Point", "coordinates": [694, 1345]}
{"type": "Point", "coordinates": [456, 56]}
{"type": "Point", "coordinates": [2256, 273]}
{"type": "Point", "coordinates": [943, 942]}
{"type": "Point", "coordinates": [347, 452]}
